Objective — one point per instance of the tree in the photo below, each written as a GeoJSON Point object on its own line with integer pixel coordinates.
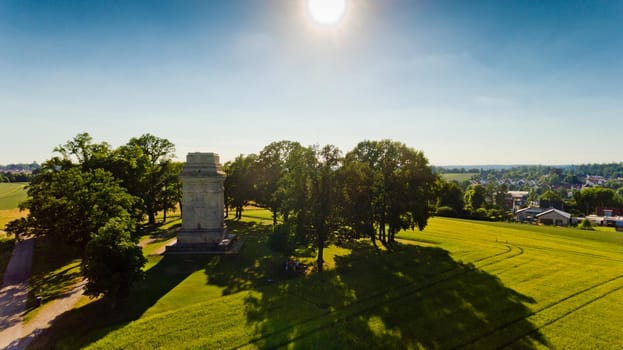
{"type": "Point", "coordinates": [325, 198]}
{"type": "Point", "coordinates": [149, 163]}
{"type": "Point", "coordinates": [269, 169]}
{"type": "Point", "coordinates": [239, 183]}
{"type": "Point", "coordinates": [589, 199]}
{"type": "Point", "coordinates": [171, 194]}
{"type": "Point", "coordinates": [401, 187]}
{"type": "Point", "coordinates": [113, 261]}
{"type": "Point", "coordinates": [71, 204]}
{"type": "Point", "coordinates": [88, 155]}
{"type": "Point", "coordinates": [450, 195]}
{"type": "Point", "coordinates": [475, 197]}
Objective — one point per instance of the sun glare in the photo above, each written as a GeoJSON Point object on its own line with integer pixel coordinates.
{"type": "Point", "coordinates": [326, 11]}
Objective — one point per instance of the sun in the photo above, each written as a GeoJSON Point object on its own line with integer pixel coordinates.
{"type": "Point", "coordinates": [326, 11]}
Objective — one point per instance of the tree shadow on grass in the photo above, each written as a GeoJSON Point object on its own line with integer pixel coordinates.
{"type": "Point", "coordinates": [253, 267]}
{"type": "Point", "coordinates": [55, 271]}
{"type": "Point", "coordinates": [411, 297]}
{"type": "Point", "coordinates": [79, 327]}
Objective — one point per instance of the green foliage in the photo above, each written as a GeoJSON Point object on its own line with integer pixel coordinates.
{"type": "Point", "coordinates": [475, 197]}
{"type": "Point", "coordinates": [589, 199]}
{"type": "Point", "coordinates": [113, 261]}
{"type": "Point", "coordinates": [282, 239]}
{"type": "Point", "coordinates": [586, 225]}
{"type": "Point", "coordinates": [239, 189]}
{"type": "Point", "coordinates": [401, 191]}
{"type": "Point", "coordinates": [449, 194]}
{"type": "Point", "coordinates": [71, 204]}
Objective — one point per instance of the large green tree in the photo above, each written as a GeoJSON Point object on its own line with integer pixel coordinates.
{"type": "Point", "coordinates": [239, 189]}
{"type": "Point", "coordinates": [148, 158]}
{"type": "Point", "coordinates": [269, 171]}
{"type": "Point", "coordinates": [450, 195]}
{"type": "Point", "coordinates": [71, 204]}
{"type": "Point", "coordinates": [475, 197]}
{"type": "Point", "coordinates": [113, 261]}
{"type": "Point", "coordinates": [402, 186]}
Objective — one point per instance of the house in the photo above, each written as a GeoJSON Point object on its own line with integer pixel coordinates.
{"type": "Point", "coordinates": [554, 217]}
{"type": "Point", "coordinates": [517, 199]}
{"type": "Point", "coordinates": [595, 219]}
{"type": "Point", "coordinates": [527, 214]}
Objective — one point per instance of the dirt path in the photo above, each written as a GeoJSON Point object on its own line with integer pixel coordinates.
{"type": "Point", "coordinates": [14, 333]}
{"type": "Point", "coordinates": [14, 293]}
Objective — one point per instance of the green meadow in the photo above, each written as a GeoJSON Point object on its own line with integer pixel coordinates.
{"type": "Point", "coordinates": [11, 194]}
{"type": "Point", "coordinates": [457, 284]}
{"type": "Point", "coordinates": [459, 177]}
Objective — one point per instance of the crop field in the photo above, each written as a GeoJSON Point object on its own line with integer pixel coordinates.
{"type": "Point", "coordinates": [457, 284]}
{"type": "Point", "coordinates": [459, 177]}
{"type": "Point", "coordinates": [11, 194]}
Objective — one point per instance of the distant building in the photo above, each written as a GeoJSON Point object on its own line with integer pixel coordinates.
{"type": "Point", "coordinates": [601, 211]}
{"type": "Point", "coordinates": [554, 217]}
{"type": "Point", "coordinates": [527, 214]}
{"type": "Point", "coordinates": [517, 199]}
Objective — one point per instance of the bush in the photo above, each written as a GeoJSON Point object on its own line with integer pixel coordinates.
{"type": "Point", "coordinates": [481, 212]}
{"type": "Point", "coordinates": [586, 225]}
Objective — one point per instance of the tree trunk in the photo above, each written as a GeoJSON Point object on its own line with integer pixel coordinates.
{"type": "Point", "coordinates": [274, 217]}
{"type": "Point", "coordinates": [320, 260]}
{"type": "Point", "coordinates": [152, 218]}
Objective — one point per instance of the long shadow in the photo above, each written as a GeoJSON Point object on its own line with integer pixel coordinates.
{"type": "Point", "coordinates": [411, 297]}
{"type": "Point", "coordinates": [82, 326]}
{"type": "Point", "coordinates": [46, 282]}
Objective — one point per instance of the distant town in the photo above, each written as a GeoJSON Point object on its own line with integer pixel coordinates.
{"type": "Point", "coordinates": [550, 195]}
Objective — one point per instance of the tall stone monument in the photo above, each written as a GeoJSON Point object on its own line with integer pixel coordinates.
{"type": "Point", "coordinates": [203, 224]}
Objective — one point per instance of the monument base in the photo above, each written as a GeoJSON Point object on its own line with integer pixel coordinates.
{"type": "Point", "coordinates": [205, 242]}
{"type": "Point", "coordinates": [201, 237]}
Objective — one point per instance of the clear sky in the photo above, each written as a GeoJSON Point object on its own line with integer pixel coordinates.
{"type": "Point", "coordinates": [466, 82]}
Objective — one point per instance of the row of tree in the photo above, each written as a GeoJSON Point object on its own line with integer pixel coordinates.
{"type": "Point", "coordinates": [96, 197]}
{"type": "Point", "coordinates": [492, 200]}
{"type": "Point", "coordinates": [375, 190]}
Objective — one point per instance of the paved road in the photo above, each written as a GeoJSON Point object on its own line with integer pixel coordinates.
{"type": "Point", "coordinates": [13, 295]}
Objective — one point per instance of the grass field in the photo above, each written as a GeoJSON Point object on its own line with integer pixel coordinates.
{"type": "Point", "coordinates": [459, 177]}
{"type": "Point", "coordinates": [11, 194]}
{"type": "Point", "coordinates": [458, 284]}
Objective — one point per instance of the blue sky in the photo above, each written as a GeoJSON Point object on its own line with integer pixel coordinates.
{"type": "Point", "coordinates": [466, 82]}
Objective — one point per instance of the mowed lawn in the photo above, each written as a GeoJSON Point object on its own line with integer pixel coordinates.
{"type": "Point", "coordinates": [458, 284]}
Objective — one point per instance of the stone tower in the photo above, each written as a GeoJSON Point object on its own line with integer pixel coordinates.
{"type": "Point", "coordinates": [203, 201]}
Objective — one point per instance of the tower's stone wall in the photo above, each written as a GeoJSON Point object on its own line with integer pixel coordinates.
{"type": "Point", "coordinates": [203, 200]}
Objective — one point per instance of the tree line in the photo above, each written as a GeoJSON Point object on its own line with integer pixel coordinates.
{"type": "Point", "coordinates": [322, 195]}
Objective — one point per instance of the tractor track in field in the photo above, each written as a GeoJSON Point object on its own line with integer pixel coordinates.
{"type": "Point", "coordinates": [563, 316]}
{"type": "Point", "coordinates": [549, 306]}
{"type": "Point", "coordinates": [404, 289]}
